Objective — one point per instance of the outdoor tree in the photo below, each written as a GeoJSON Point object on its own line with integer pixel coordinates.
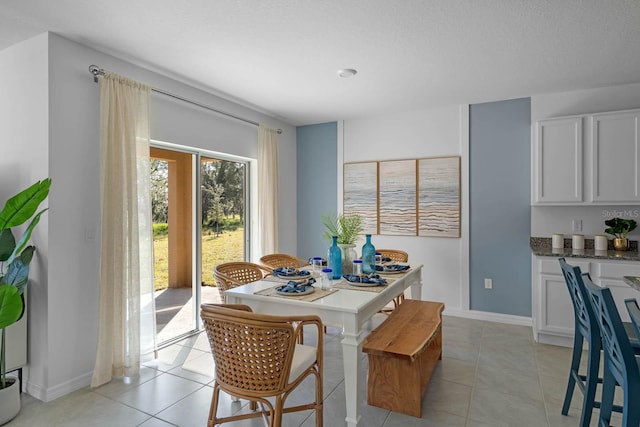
{"type": "Point", "coordinates": [159, 191]}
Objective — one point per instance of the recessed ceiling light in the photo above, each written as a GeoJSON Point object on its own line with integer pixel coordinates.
{"type": "Point", "coordinates": [347, 72]}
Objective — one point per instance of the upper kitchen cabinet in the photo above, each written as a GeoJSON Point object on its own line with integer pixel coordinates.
{"type": "Point", "coordinates": [616, 157]}
{"type": "Point", "coordinates": [557, 157]}
{"type": "Point", "coordinates": [598, 166]}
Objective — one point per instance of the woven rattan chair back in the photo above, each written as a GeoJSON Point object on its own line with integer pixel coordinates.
{"type": "Point", "coordinates": [253, 355]}
{"type": "Point", "coordinates": [395, 254]}
{"type": "Point", "coordinates": [232, 274]}
{"type": "Point", "coordinates": [282, 260]}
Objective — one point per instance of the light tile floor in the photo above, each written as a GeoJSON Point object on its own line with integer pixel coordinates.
{"type": "Point", "coordinates": [491, 375]}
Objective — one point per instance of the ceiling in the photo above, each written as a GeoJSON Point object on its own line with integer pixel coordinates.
{"type": "Point", "coordinates": [281, 56]}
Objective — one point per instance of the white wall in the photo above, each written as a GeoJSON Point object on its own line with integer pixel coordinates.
{"type": "Point", "coordinates": [59, 137]}
{"type": "Point", "coordinates": [557, 219]}
{"type": "Point", "coordinates": [417, 134]}
{"type": "Point", "coordinates": [24, 159]}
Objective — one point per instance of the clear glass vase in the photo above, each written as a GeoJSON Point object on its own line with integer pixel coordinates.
{"type": "Point", "coordinates": [348, 255]}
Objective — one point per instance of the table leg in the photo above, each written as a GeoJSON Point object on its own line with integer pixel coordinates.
{"type": "Point", "coordinates": [351, 352]}
{"type": "Point", "coordinates": [415, 291]}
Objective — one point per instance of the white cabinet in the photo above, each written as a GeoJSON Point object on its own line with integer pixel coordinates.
{"type": "Point", "coordinates": [598, 166]}
{"type": "Point", "coordinates": [558, 161]}
{"type": "Point", "coordinates": [552, 311]}
{"type": "Point", "coordinates": [616, 157]}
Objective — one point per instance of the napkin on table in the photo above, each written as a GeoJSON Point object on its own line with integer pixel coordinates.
{"type": "Point", "coordinates": [373, 279]}
{"type": "Point", "coordinates": [296, 287]}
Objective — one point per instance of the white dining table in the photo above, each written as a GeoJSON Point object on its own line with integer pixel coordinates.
{"type": "Point", "coordinates": [345, 308]}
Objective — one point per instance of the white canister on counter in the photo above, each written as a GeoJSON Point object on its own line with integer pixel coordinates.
{"type": "Point", "coordinates": [600, 242]}
{"type": "Point", "coordinates": [577, 241]}
{"type": "Point", "coordinates": [557, 241]}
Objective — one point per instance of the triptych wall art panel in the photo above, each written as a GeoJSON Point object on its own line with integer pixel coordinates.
{"type": "Point", "coordinates": [397, 209]}
{"type": "Point", "coordinates": [361, 193]}
{"type": "Point", "coordinates": [417, 197]}
{"type": "Point", "coordinates": [439, 197]}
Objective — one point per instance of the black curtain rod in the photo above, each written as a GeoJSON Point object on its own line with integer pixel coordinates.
{"type": "Point", "coordinates": [97, 71]}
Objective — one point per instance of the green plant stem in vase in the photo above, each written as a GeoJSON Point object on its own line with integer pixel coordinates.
{"type": "Point", "coordinates": [346, 227]}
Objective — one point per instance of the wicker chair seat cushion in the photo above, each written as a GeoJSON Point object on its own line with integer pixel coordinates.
{"type": "Point", "coordinates": [303, 357]}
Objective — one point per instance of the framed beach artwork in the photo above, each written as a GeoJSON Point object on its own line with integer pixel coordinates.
{"type": "Point", "coordinates": [361, 193]}
{"type": "Point", "coordinates": [397, 195]}
{"type": "Point", "coordinates": [439, 197]}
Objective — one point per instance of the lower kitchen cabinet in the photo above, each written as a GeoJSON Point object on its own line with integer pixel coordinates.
{"type": "Point", "coordinates": [552, 310]}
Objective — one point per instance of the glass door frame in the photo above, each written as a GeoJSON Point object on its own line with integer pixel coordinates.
{"type": "Point", "coordinates": [196, 230]}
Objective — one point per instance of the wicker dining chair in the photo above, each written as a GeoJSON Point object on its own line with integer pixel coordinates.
{"type": "Point", "coordinates": [256, 358]}
{"type": "Point", "coordinates": [283, 260]}
{"type": "Point", "coordinates": [232, 274]}
{"type": "Point", "coordinates": [396, 255]}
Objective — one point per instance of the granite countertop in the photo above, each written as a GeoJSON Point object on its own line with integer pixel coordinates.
{"type": "Point", "coordinates": [541, 246]}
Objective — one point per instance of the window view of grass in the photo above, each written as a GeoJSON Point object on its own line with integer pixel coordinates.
{"type": "Point", "coordinates": [222, 245]}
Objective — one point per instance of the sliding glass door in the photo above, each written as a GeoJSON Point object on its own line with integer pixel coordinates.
{"type": "Point", "coordinates": [199, 207]}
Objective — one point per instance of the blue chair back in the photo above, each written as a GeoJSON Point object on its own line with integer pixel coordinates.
{"type": "Point", "coordinates": [621, 359]}
{"type": "Point", "coordinates": [585, 319]}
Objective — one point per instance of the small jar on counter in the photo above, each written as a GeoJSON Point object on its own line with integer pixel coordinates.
{"type": "Point", "coordinates": [600, 242]}
{"type": "Point", "coordinates": [557, 241]}
{"type": "Point", "coordinates": [577, 241]}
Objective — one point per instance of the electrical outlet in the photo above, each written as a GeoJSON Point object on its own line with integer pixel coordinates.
{"type": "Point", "coordinates": [576, 225]}
{"type": "Point", "coordinates": [488, 283]}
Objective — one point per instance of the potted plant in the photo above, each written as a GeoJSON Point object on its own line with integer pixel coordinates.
{"type": "Point", "coordinates": [347, 228]}
{"type": "Point", "coordinates": [15, 257]}
{"type": "Point", "coordinates": [619, 228]}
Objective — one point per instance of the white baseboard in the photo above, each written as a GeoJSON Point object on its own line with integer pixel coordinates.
{"type": "Point", "coordinates": [52, 393]}
{"type": "Point", "coordinates": [489, 317]}
{"type": "Point", "coordinates": [555, 340]}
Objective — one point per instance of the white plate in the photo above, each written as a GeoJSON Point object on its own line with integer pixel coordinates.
{"type": "Point", "coordinates": [393, 272]}
{"type": "Point", "coordinates": [309, 290]}
{"type": "Point", "coordinates": [296, 277]}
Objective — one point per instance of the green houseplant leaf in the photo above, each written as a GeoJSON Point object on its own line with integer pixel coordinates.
{"type": "Point", "coordinates": [25, 236]}
{"type": "Point", "coordinates": [18, 209]}
{"type": "Point", "coordinates": [10, 305]}
{"type": "Point", "coordinates": [17, 274]}
{"type": "Point", "coordinates": [7, 244]}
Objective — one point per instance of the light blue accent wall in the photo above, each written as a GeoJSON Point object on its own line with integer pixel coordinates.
{"type": "Point", "coordinates": [317, 162]}
{"type": "Point", "coordinates": [500, 213]}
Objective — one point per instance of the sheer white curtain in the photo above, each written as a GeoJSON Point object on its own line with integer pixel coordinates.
{"type": "Point", "coordinates": [126, 308]}
{"type": "Point", "coordinates": [268, 189]}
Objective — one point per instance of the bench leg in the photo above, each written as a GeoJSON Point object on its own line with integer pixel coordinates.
{"type": "Point", "coordinates": [399, 384]}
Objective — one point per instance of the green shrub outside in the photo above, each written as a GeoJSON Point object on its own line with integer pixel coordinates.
{"type": "Point", "coordinates": [160, 229]}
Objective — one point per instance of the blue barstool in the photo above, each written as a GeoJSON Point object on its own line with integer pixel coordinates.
{"type": "Point", "coordinates": [586, 328]}
{"type": "Point", "coordinates": [620, 363]}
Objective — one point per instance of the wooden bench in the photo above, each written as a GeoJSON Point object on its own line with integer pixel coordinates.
{"type": "Point", "coordinates": [403, 352]}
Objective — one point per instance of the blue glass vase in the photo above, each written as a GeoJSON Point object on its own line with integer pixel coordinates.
{"type": "Point", "coordinates": [368, 256]}
{"type": "Point", "coordinates": [335, 258]}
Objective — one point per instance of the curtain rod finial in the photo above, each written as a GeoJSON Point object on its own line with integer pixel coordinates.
{"type": "Point", "coordinates": [96, 71]}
